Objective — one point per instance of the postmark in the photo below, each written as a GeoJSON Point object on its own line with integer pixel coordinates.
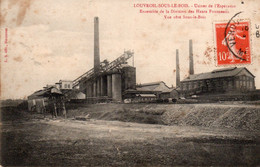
{"type": "Point", "coordinates": [232, 40]}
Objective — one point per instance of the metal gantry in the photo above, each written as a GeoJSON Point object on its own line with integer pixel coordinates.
{"type": "Point", "coordinates": [105, 66]}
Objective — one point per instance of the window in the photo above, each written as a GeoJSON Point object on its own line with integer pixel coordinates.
{"type": "Point", "coordinates": [197, 84]}
{"type": "Point", "coordinates": [250, 84]}
{"type": "Point", "coordinates": [201, 84]}
{"type": "Point", "coordinates": [230, 84]}
{"type": "Point", "coordinates": [190, 85]}
{"type": "Point", "coordinates": [65, 86]}
{"type": "Point", "coordinates": [241, 83]}
{"type": "Point", "coordinates": [69, 86]}
{"type": "Point", "coordinates": [237, 84]}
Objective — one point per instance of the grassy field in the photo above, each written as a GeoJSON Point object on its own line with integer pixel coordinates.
{"type": "Point", "coordinates": [133, 135]}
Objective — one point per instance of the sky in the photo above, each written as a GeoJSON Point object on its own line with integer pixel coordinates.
{"type": "Point", "coordinates": [52, 40]}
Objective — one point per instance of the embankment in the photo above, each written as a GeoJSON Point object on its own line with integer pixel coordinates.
{"type": "Point", "coordinates": [243, 117]}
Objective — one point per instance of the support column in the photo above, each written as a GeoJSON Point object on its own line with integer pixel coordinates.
{"type": "Point", "coordinates": [104, 86]}
{"type": "Point", "coordinates": [98, 87]}
{"type": "Point", "coordinates": [109, 86]}
{"type": "Point", "coordinates": [116, 87]}
{"type": "Point", "coordinates": [94, 89]}
{"type": "Point", "coordinates": [89, 89]}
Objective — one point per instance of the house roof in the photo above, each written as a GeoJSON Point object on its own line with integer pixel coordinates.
{"type": "Point", "coordinates": [219, 73]}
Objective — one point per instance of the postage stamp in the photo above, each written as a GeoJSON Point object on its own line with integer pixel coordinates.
{"type": "Point", "coordinates": [232, 42]}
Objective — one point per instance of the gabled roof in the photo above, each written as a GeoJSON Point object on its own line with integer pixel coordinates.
{"type": "Point", "coordinates": [219, 73]}
{"type": "Point", "coordinates": [153, 86]}
{"type": "Point", "coordinates": [150, 83]}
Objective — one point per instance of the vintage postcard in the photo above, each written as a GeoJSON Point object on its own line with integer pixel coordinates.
{"type": "Point", "coordinates": [130, 82]}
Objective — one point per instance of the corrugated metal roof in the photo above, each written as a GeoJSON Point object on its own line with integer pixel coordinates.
{"type": "Point", "coordinates": [225, 72]}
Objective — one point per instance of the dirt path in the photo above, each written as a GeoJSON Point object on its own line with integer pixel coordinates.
{"type": "Point", "coordinates": [48, 142]}
{"type": "Point", "coordinates": [116, 130]}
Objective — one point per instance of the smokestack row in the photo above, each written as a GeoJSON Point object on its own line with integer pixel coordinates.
{"type": "Point", "coordinates": [191, 65]}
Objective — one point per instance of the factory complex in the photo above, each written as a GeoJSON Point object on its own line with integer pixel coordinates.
{"type": "Point", "coordinates": [115, 81]}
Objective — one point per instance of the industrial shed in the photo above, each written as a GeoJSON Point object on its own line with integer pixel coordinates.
{"type": "Point", "coordinates": [39, 100]}
{"type": "Point", "coordinates": [151, 92]}
{"type": "Point", "coordinates": [153, 86]}
{"type": "Point", "coordinates": [219, 81]}
{"type": "Point", "coordinates": [140, 95]}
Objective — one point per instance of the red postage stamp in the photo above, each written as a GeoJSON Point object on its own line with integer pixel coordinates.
{"type": "Point", "coordinates": [232, 41]}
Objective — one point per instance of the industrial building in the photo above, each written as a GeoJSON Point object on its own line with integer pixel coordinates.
{"type": "Point", "coordinates": [225, 80]}
{"type": "Point", "coordinates": [220, 81]}
{"type": "Point", "coordinates": [154, 91]}
{"type": "Point", "coordinates": [39, 100]}
{"type": "Point", "coordinates": [106, 81]}
{"type": "Point", "coordinates": [147, 91]}
{"type": "Point", "coordinates": [64, 84]}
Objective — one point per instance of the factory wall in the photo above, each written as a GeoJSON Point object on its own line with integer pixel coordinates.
{"type": "Point", "coordinates": [220, 85]}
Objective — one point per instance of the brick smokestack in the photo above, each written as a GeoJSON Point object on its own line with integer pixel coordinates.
{"type": "Point", "coordinates": [96, 45]}
{"type": "Point", "coordinates": [191, 58]}
{"type": "Point", "coordinates": [177, 69]}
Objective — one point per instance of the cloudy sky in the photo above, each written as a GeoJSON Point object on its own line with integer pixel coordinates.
{"type": "Point", "coordinates": [52, 40]}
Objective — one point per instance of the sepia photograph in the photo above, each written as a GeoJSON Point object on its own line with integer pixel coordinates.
{"type": "Point", "coordinates": [129, 83]}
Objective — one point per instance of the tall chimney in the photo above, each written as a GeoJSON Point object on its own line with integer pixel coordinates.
{"type": "Point", "coordinates": [191, 58]}
{"type": "Point", "coordinates": [177, 69]}
{"type": "Point", "coordinates": [96, 46]}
